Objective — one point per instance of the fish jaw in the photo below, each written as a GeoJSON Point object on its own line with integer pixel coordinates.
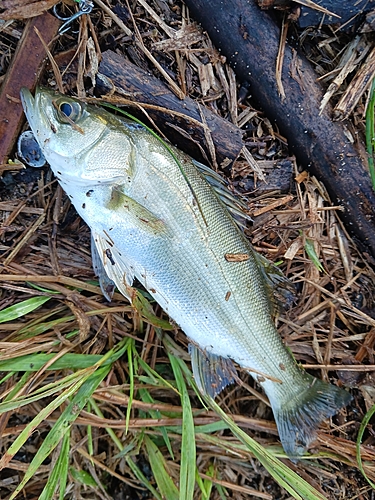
{"type": "Point", "coordinates": [33, 116]}
{"type": "Point", "coordinates": [28, 101]}
{"type": "Point", "coordinates": [40, 114]}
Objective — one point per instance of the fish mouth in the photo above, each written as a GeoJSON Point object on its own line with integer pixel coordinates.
{"type": "Point", "coordinates": [36, 111]}
{"type": "Point", "coordinates": [28, 103]}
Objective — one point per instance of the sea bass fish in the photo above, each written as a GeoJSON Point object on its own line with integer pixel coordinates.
{"type": "Point", "coordinates": [155, 216]}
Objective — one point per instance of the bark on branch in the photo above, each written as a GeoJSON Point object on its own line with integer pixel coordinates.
{"type": "Point", "coordinates": [138, 85]}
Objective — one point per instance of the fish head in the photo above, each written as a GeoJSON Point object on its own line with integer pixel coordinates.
{"type": "Point", "coordinates": [77, 139]}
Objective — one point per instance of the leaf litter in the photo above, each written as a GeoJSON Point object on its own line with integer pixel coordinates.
{"type": "Point", "coordinates": [111, 425]}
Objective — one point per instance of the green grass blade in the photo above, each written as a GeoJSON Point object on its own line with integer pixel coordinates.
{"type": "Point", "coordinates": [59, 474]}
{"type": "Point", "coordinates": [36, 327]}
{"type": "Point", "coordinates": [64, 466]}
{"type": "Point", "coordinates": [155, 377]}
{"type": "Point", "coordinates": [144, 308]}
{"type": "Point", "coordinates": [222, 492]}
{"type": "Point", "coordinates": [42, 392]}
{"type": "Point", "coordinates": [362, 428]}
{"type": "Point", "coordinates": [158, 465]}
{"type": "Point", "coordinates": [130, 351]}
{"type": "Point", "coordinates": [188, 448]}
{"type": "Point", "coordinates": [83, 477]}
{"type": "Point", "coordinates": [147, 398]}
{"type": "Point", "coordinates": [87, 386]}
{"type": "Point", "coordinates": [34, 362]}
{"type": "Point", "coordinates": [310, 250]}
{"type": "Point", "coordinates": [142, 478]}
{"type": "Point", "coordinates": [6, 377]}
{"type": "Point", "coordinates": [22, 308]}
{"type": "Point", "coordinates": [90, 443]}
{"type": "Point", "coordinates": [110, 431]}
{"type": "Point", "coordinates": [206, 485]}
{"type": "Point", "coordinates": [18, 387]}
{"type": "Point", "coordinates": [41, 289]}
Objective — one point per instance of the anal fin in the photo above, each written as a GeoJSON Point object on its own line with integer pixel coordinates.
{"type": "Point", "coordinates": [212, 373]}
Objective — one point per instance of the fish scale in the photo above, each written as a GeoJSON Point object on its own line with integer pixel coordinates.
{"type": "Point", "coordinates": [191, 285]}
{"type": "Point", "coordinates": [155, 215]}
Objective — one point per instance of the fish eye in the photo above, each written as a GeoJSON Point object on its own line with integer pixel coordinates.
{"type": "Point", "coordinates": [66, 108]}
{"type": "Point", "coordinates": [68, 111]}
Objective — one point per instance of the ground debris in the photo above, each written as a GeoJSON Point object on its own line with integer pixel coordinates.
{"type": "Point", "coordinates": [45, 250]}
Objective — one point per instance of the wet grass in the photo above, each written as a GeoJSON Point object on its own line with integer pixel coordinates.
{"type": "Point", "coordinates": [77, 377]}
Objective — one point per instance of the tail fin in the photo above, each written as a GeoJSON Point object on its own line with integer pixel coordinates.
{"type": "Point", "coordinates": [299, 418]}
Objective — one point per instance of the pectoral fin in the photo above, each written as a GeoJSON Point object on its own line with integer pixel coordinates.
{"type": "Point", "coordinates": [106, 284]}
{"type": "Point", "coordinates": [212, 373]}
{"type": "Point", "coordinates": [139, 215]}
{"type": "Point", "coordinates": [111, 266]}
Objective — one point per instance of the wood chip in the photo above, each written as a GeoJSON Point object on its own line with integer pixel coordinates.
{"type": "Point", "coordinates": [357, 87]}
{"type": "Point", "coordinates": [355, 51]}
{"type": "Point", "coordinates": [236, 257]}
{"type": "Point", "coordinates": [26, 67]}
{"type": "Point", "coordinates": [271, 206]}
{"type": "Point", "coordinates": [24, 9]}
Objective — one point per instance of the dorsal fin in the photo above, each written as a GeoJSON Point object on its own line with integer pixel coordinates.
{"type": "Point", "coordinates": [236, 206]}
{"type": "Point", "coordinates": [280, 289]}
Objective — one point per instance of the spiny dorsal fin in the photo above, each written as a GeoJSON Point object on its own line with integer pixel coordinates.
{"type": "Point", "coordinates": [234, 204]}
{"type": "Point", "coordinates": [212, 373]}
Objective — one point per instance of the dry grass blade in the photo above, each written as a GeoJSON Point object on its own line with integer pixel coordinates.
{"type": "Point", "coordinates": [55, 67]}
{"type": "Point", "coordinates": [354, 53]}
{"type": "Point", "coordinates": [313, 5]}
{"type": "Point", "coordinates": [280, 57]}
{"type": "Point", "coordinates": [358, 86]}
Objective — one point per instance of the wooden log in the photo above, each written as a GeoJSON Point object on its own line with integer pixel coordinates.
{"type": "Point", "coordinates": [24, 71]}
{"type": "Point", "coordinates": [249, 38]}
{"type": "Point", "coordinates": [138, 85]}
{"type": "Point", "coordinates": [347, 10]}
